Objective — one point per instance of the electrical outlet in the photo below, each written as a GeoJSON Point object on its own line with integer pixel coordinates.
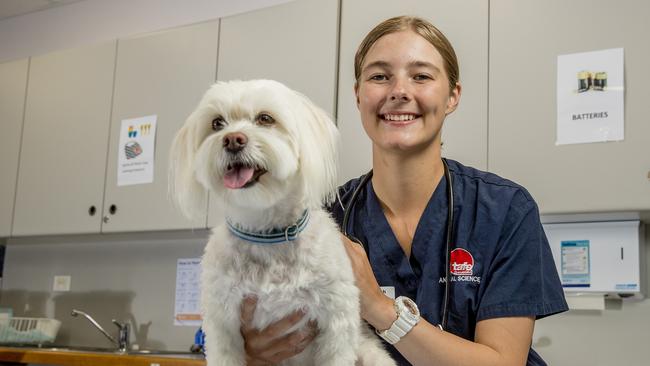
{"type": "Point", "coordinates": [61, 283]}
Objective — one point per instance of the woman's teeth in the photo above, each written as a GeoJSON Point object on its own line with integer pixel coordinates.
{"type": "Point", "coordinates": [399, 117]}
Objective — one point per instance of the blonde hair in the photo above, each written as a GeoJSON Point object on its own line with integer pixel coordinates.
{"type": "Point", "coordinates": [420, 26]}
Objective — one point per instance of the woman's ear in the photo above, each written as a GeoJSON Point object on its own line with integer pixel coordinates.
{"type": "Point", "coordinates": [454, 98]}
{"type": "Point", "coordinates": [356, 92]}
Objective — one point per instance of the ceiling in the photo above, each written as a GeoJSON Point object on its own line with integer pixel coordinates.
{"type": "Point", "coordinates": [12, 8]}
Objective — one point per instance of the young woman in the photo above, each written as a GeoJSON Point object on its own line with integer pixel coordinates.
{"type": "Point", "coordinates": [454, 267]}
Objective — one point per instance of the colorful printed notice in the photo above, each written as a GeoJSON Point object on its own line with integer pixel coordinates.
{"type": "Point", "coordinates": [135, 160]}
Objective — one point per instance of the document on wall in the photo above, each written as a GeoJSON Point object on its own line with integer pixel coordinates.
{"type": "Point", "coordinates": [187, 309]}
{"type": "Point", "coordinates": [590, 97]}
{"type": "Point", "coordinates": [576, 268]}
{"type": "Point", "coordinates": [135, 161]}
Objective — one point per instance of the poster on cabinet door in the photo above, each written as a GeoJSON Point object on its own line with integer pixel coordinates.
{"type": "Point", "coordinates": [136, 152]}
{"type": "Point", "coordinates": [590, 97]}
{"type": "Point", "coordinates": [187, 307]}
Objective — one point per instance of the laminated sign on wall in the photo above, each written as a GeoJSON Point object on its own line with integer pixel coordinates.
{"type": "Point", "coordinates": [136, 152]}
{"type": "Point", "coordinates": [590, 98]}
{"type": "Point", "coordinates": [188, 292]}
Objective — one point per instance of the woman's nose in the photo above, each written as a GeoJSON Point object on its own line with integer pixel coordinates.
{"type": "Point", "coordinates": [399, 92]}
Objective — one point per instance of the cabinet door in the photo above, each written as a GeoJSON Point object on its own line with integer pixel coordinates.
{"type": "Point", "coordinates": [465, 24]}
{"type": "Point", "coordinates": [163, 74]}
{"type": "Point", "coordinates": [13, 83]}
{"type": "Point", "coordinates": [525, 41]}
{"type": "Point", "coordinates": [63, 153]}
{"type": "Point", "coordinates": [294, 43]}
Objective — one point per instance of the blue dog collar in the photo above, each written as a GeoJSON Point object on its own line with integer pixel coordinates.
{"type": "Point", "coordinates": [275, 236]}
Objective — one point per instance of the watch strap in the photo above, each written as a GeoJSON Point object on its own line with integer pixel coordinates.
{"type": "Point", "coordinates": [405, 321]}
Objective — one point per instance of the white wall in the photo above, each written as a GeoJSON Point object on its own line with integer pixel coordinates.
{"type": "Point", "coordinates": [93, 21]}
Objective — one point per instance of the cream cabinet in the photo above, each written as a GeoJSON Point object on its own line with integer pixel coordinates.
{"type": "Point", "coordinates": [163, 74]}
{"type": "Point", "coordinates": [63, 152]}
{"type": "Point", "coordinates": [525, 41]}
{"type": "Point", "coordinates": [13, 84]}
{"type": "Point", "coordinates": [465, 24]}
{"type": "Point", "coordinates": [294, 43]}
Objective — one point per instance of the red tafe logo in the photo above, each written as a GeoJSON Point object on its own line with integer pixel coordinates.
{"type": "Point", "coordinates": [461, 262]}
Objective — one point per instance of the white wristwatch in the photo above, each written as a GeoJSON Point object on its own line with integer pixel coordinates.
{"type": "Point", "coordinates": [408, 315]}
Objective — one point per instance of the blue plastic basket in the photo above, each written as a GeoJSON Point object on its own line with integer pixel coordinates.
{"type": "Point", "coordinates": [28, 330]}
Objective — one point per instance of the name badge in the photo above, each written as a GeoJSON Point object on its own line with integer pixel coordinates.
{"type": "Point", "coordinates": [388, 291]}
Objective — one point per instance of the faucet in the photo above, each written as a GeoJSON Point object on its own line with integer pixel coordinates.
{"type": "Point", "coordinates": [122, 342]}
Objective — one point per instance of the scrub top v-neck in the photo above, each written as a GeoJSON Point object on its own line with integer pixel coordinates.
{"type": "Point", "coordinates": [501, 264]}
{"type": "Point", "coordinates": [392, 268]}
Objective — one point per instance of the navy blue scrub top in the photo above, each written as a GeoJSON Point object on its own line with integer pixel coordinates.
{"type": "Point", "coordinates": [502, 264]}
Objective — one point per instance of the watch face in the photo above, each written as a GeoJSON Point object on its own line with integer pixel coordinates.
{"type": "Point", "coordinates": [411, 307]}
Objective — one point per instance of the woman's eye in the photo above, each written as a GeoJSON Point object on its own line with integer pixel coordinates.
{"type": "Point", "coordinates": [265, 119]}
{"type": "Point", "coordinates": [218, 123]}
{"type": "Point", "coordinates": [420, 77]}
{"type": "Point", "coordinates": [379, 77]}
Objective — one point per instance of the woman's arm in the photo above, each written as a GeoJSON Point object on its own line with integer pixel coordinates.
{"type": "Point", "coordinates": [498, 341]}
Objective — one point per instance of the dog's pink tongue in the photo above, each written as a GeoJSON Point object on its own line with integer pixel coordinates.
{"type": "Point", "coordinates": [237, 177]}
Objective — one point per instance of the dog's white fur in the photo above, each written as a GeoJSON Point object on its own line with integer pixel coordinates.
{"type": "Point", "coordinates": [313, 273]}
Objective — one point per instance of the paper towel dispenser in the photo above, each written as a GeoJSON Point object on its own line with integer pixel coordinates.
{"type": "Point", "coordinates": [599, 257]}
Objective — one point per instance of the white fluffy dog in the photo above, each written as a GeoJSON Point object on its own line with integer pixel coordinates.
{"type": "Point", "coordinates": [270, 155]}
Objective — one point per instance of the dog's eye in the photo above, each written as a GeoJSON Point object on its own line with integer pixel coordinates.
{"type": "Point", "coordinates": [265, 119]}
{"type": "Point", "coordinates": [218, 123]}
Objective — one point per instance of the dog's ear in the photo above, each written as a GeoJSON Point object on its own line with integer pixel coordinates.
{"type": "Point", "coordinates": [184, 190]}
{"type": "Point", "coordinates": [318, 154]}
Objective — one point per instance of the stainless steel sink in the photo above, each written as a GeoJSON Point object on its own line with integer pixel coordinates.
{"type": "Point", "coordinates": [76, 349]}
{"type": "Point", "coordinates": [143, 352]}
{"type": "Point", "coordinates": [165, 353]}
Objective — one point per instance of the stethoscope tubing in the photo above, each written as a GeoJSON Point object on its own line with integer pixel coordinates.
{"type": "Point", "coordinates": [449, 232]}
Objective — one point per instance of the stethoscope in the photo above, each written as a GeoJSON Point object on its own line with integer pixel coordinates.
{"type": "Point", "coordinates": [450, 229]}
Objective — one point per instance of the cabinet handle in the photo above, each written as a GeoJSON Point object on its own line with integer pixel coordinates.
{"type": "Point", "coordinates": [106, 219]}
{"type": "Point", "coordinates": [112, 209]}
{"type": "Point", "coordinates": [92, 210]}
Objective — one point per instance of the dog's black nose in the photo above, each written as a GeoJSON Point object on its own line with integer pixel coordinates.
{"type": "Point", "coordinates": [234, 142]}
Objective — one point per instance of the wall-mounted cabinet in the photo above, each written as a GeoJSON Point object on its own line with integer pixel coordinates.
{"type": "Point", "coordinates": [63, 153]}
{"type": "Point", "coordinates": [13, 83]}
{"type": "Point", "coordinates": [67, 184]}
{"type": "Point", "coordinates": [611, 176]}
{"type": "Point", "coordinates": [163, 74]}
{"type": "Point", "coordinates": [465, 24]}
{"type": "Point", "coordinates": [294, 43]}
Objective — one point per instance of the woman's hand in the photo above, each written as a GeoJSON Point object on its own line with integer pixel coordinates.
{"type": "Point", "coordinates": [272, 345]}
{"type": "Point", "coordinates": [376, 308]}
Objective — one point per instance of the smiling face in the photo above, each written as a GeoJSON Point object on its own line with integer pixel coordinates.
{"type": "Point", "coordinates": [403, 93]}
{"type": "Point", "coordinates": [248, 148]}
{"type": "Point", "coordinates": [254, 143]}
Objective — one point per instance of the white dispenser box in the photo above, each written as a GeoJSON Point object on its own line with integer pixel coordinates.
{"type": "Point", "coordinates": [599, 258]}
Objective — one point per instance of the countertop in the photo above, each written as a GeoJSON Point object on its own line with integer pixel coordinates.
{"type": "Point", "coordinates": [26, 355]}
